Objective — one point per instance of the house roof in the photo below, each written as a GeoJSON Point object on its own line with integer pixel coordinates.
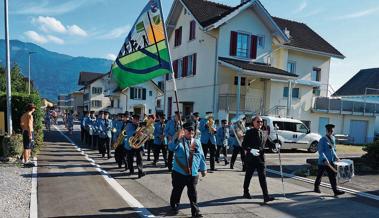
{"type": "Point", "coordinates": [86, 78]}
{"type": "Point", "coordinates": [246, 65]}
{"type": "Point", "coordinates": [303, 37]}
{"type": "Point", "coordinates": [366, 78]}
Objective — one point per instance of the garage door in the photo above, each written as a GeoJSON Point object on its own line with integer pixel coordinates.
{"type": "Point", "coordinates": [358, 130]}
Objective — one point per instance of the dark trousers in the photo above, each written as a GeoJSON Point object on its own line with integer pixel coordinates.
{"type": "Point", "coordinates": [221, 149]}
{"type": "Point", "coordinates": [237, 150]}
{"type": "Point", "coordinates": [157, 149]}
{"type": "Point", "coordinates": [105, 147]}
{"type": "Point", "coordinates": [149, 146]}
{"type": "Point", "coordinates": [88, 138]}
{"type": "Point", "coordinates": [331, 175]}
{"type": "Point", "coordinates": [179, 181]}
{"type": "Point", "coordinates": [251, 166]}
{"type": "Point", "coordinates": [170, 158]}
{"type": "Point", "coordinates": [130, 157]}
{"type": "Point", "coordinates": [212, 150]}
{"type": "Point", "coordinates": [95, 142]}
{"type": "Point", "coordinates": [82, 135]}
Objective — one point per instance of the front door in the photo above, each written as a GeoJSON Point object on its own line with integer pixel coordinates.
{"type": "Point", "coordinates": [139, 110]}
{"type": "Point", "coordinates": [187, 108]}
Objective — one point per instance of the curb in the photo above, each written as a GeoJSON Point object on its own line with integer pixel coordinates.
{"type": "Point", "coordinates": [33, 212]}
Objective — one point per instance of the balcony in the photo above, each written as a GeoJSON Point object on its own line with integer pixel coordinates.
{"type": "Point", "coordinates": [340, 106]}
{"type": "Point", "coordinates": [228, 102]}
{"type": "Point", "coordinates": [86, 97]}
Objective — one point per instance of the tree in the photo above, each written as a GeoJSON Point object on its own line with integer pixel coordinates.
{"type": "Point", "coordinates": [19, 83]}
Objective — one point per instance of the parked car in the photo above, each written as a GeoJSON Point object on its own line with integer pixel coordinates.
{"type": "Point", "coordinates": [291, 133]}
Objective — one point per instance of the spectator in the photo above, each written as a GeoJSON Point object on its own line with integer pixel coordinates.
{"type": "Point", "coordinates": [27, 133]}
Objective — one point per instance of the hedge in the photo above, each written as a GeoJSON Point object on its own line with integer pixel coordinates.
{"type": "Point", "coordinates": [372, 154]}
{"type": "Point", "coordinates": [19, 102]}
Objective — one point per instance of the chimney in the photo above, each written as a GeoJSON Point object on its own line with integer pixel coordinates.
{"type": "Point", "coordinates": [287, 32]}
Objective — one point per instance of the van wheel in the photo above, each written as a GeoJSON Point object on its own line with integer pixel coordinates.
{"type": "Point", "coordinates": [313, 147]}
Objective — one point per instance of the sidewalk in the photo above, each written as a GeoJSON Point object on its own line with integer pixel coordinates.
{"type": "Point", "coordinates": [68, 186]}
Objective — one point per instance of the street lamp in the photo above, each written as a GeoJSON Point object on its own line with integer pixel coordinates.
{"type": "Point", "coordinates": [30, 53]}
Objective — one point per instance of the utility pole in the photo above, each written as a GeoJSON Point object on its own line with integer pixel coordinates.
{"type": "Point", "coordinates": [30, 53]}
{"type": "Point", "coordinates": [8, 70]}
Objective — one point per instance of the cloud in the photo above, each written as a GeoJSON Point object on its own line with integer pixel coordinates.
{"type": "Point", "coordinates": [358, 14]}
{"type": "Point", "coordinates": [301, 7]}
{"type": "Point", "coordinates": [49, 24]}
{"type": "Point", "coordinates": [116, 33]}
{"type": "Point", "coordinates": [55, 39]}
{"type": "Point", "coordinates": [47, 7]}
{"type": "Point", "coordinates": [313, 13]}
{"type": "Point", "coordinates": [76, 30]}
{"type": "Point", "coordinates": [35, 37]}
{"type": "Point", "coordinates": [111, 56]}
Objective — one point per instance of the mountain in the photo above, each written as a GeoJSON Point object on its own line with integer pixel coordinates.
{"type": "Point", "coordinates": [51, 72]}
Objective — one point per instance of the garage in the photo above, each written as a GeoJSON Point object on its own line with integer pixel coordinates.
{"type": "Point", "coordinates": [358, 131]}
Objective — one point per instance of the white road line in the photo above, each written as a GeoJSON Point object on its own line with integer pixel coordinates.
{"type": "Point", "coordinates": [33, 210]}
{"type": "Point", "coordinates": [125, 195]}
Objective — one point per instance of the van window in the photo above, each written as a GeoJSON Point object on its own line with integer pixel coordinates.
{"type": "Point", "coordinates": [287, 126]}
{"type": "Point", "coordinates": [301, 128]}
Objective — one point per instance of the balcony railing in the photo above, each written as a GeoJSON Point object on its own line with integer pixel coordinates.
{"type": "Point", "coordinates": [337, 105]}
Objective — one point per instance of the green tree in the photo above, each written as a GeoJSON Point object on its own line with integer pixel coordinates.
{"type": "Point", "coordinates": [19, 83]}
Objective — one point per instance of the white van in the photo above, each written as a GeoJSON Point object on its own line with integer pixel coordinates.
{"type": "Point", "coordinates": [292, 133]}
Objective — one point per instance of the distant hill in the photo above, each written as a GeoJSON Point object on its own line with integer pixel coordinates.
{"type": "Point", "coordinates": [52, 73]}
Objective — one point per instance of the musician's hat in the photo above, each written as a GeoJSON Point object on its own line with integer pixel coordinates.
{"type": "Point", "coordinates": [190, 126]}
{"type": "Point", "coordinates": [196, 114]}
{"type": "Point", "coordinates": [329, 126]}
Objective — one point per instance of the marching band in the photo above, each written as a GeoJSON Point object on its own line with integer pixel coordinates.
{"type": "Point", "coordinates": [188, 144]}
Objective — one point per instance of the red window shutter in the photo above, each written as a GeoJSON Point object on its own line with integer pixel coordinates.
{"type": "Point", "coordinates": [176, 38]}
{"type": "Point", "coordinates": [169, 106]}
{"type": "Point", "coordinates": [194, 63]}
{"type": "Point", "coordinates": [185, 66]}
{"type": "Point", "coordinates": [175, 66]}
{"type": "Point", "coordinates": [253, 49]}
{"type": "Point", "coordinates": [233, 43]}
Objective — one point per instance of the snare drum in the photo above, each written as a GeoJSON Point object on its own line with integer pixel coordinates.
{"type": "Point", "coordinates": [345, 169]}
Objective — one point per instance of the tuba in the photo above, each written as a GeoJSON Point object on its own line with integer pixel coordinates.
{"type": "Point", "coordinates": [238, 128]}
{"type": "Point", "coordinates": [119, 139]}
{"type": "Point", "coordinates": [142, 134]}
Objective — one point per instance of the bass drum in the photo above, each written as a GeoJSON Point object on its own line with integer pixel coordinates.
{"type": "Point", "coordinates": [345, 170]}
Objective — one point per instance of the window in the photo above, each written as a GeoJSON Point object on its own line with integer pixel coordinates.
{"type": "Point", "coordinates": [316, 91]}
{"type": "Point", "coordinates": [316, 74]}
{"type": "Point", "coordinates": [178, 36]}
{"type": "Point", "coordinates": [243, 81]}
{"type": "Point", "coordinates": [192, 30]}
{"type": "Point", "coordinates": [150, 93]}
{"type": "Point", "coordinates": [180, 68]}
{"type": "Point", "coordinates": [137, 93]}
{"type": "Point", "coordinates": [301, 128]}
{"type": "Point", "coordinates": [149, 111]}
{"type": "Point", "coordinates": [291, 67]}
{"type": "Point", "coordinates": [307, 123]}
{"type": "Point", "coordinates": [159, 103]}
{"type": "Point", "coordinates": [243, 45]}
{"type": "Point", "coordinates": [295, 92]}
{"type": "Point", "coordinates": [161, 84]}
{"type": "Point", "coordinates": [96, 103]}
{"type": "Point", "coordinates": [261, 41]}
{"type": "Point", "coordinates": [97, 90]}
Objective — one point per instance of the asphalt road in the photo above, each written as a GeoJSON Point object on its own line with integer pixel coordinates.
{"type": "Point", "coordinates": [69, 187]}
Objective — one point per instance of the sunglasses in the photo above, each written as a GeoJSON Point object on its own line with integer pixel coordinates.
{"type": "Point", "coordinates": [259, 121]}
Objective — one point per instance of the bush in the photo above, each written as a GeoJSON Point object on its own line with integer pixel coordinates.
{"type": "Point", "coordinates": [12, 146]}
{"type": "Point", "coordinates": [19, 102]}
{"type": "Point", "coordinates": [372, 153]}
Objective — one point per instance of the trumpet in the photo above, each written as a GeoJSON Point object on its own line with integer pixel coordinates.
{"type": "Point", "coordinates": [210, 124]}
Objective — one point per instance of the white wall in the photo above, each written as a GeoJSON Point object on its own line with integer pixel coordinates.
{"type": "Point", "coordinates": [198, 88]}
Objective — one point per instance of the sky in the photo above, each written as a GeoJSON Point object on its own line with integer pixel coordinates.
{"type": "Point", "coordinates": [97, 28]}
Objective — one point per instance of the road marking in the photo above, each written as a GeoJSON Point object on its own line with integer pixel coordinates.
{"type": "Point", "coordinates": [33, 210]}
{"type": "Point", "coordinates": [125, 195]}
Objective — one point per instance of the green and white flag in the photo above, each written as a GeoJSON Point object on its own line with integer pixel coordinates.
{"type": "Point", "coordinates": [144, 54]}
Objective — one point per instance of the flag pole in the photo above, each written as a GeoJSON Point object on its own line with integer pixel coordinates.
{"type": "Point", "coordinates": [174, 83]}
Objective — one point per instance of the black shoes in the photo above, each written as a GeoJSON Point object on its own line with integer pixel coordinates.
{"type": "Point", "coordinates": [226, 163]}
{"type": "Point", "coordinates": [175, 209]}
{"type": "Point", "coordinates": [247, 195]}
{"type": "Point", "coordinates": [268, 198]}
{"type": "Point", "coordinates": [141, 174]}
{"type": "Point", "coordinates": [231, 166]}
{"type": "Point", "coordinates": [317, 190]}
{"type": "Point", "coordinates": [338, 192]}
{"type": "Point", "coordinates": [197, 215]}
